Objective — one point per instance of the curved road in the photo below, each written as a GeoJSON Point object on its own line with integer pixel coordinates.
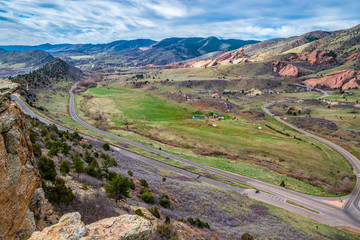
{"type": "Point", "coordinates": [327, 213]}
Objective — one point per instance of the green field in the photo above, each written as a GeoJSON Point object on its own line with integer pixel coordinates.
{"type": "Point", "coordinates": [135, 114]}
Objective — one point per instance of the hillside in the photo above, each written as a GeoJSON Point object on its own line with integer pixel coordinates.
{"type": "Point", "coordinates": [17, 62]}
{"type": "Point", "coordinates": [30, 58]}
{"type": "Point", "coordinates": [47, 78]}
{"type": "Point", "coordinates": [322, 59]}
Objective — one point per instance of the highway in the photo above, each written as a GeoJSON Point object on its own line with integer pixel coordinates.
{"type": "Point", "coordinates": [272, 194]}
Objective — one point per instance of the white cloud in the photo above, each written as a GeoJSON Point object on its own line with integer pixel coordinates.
{"type": "Point", "coordinates": [83, 21]}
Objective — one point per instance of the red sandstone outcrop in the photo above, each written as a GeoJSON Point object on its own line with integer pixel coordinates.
{"type": "Point", "coordinates": [288, 70]}
{"type": "Point", "coordinates": [235, 57]}
{"type": "Point", "coordinates": [316, 57]}
{"type": "Point", "coordinates": [344, 78]}
{"type": "Point", "coordinates": [19, 177]}
{"type": "Point", "coordinates": [352, 57]}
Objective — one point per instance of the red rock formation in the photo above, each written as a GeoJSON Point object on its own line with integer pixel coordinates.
{"type": "Point", "coordinates": [289, 70]}
{"type": "Point", "coordinates": [177, 64]}
{"type": "Point", "coordinates": [224, 59]}
{"type": "Point", "coordinates": [352, 57]}
{"type": "Point", "coordinates": [344, 78]}
{"type": "Point", "coordinates": [315, 57]}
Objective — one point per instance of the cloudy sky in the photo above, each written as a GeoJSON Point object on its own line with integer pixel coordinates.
{"type": "Point", "coordinates": [100, 21]}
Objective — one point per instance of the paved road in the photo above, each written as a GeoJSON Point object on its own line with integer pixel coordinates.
{"type": "Point", "coordinates": [354, 197]}
{"type": "Point", "coordinates": [329, 214]}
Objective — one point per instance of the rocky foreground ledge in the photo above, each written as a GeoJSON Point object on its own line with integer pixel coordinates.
{"type": "Point", "coordinates": [18, 175]}
{"type": "Point", "coordinates": [124, 227]}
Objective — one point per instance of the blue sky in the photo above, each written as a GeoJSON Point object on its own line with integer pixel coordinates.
{"type": "Point", "coordinates": [100, 21]}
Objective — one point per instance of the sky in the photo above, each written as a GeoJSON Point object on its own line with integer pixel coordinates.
{"type": "Point", "coordinates": [32, 22]}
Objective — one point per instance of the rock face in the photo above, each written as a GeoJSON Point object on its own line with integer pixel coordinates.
{"type": "Point", "coordinates": [352, 57]}
{"type": "Point", "coordinates": [227, 58]}
{"type": "Point", "coordinates": [70, 226]}
{"type": "Point", "coordinates": [344, 78]}
{"type": "Point", "coordinates": [19, 177]}
{"type": "Point", "coordinates": [288, 70]}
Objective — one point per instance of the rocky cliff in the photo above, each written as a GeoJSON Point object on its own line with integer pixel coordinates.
{"type": "Point", "coordinates": [18, 175]}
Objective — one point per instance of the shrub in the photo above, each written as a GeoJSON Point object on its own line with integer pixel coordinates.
{"type": "Point", "coordinates": [64, 168]}
{"type": "Point", "coordinates": [154, 211]}
{"type": "Point", "coordinates": [53, 151]}
{"type": "Point", "coordinates": [130, 173]}
{"type": "Point", "coordinates": [164, 230]}
{"type": "Point", "coordinates": [78, 164]}
{"type": "Point", "coordinates": [282, 184]}
{"type": "Point", "coordinates": [167, 219]}
{"type": "Point", "coordinates": [164, 201]}
{"type": "Point", "coordinates": [147, 197]}
{"type": "Point", "coordinates": [144, 183]}
{"type": "Point", "coordinates": [131, 184]}
{"type": "Point", "coordinates": [93, 169]}
{"type": "Point", "coordinates": [85, 185]}
{"type": "Point", "coordinates": [106, 147]}
{"type": "Point", "coordinates": [37, 150]}
{"type": "Point", "coordinates": [164, 179]}
{"type": "Point", "coordinates": [246, 236]}
{"type": "Point", "coordinates": [46, 168]}
{"type": "Point", "coordinates": [139, 212]}
{"type": "Point", "coordinates": [59, 192]}
{"type": "Point", "coordinates": [198, 223]}
{"type": "Point", "coordinates": [118, 187]}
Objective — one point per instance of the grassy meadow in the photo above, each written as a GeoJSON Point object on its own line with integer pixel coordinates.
{"type": "Point", "coordinates": [150, 118]}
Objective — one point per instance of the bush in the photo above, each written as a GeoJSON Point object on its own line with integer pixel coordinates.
{"type": "Point", "coordinates": [131, 184]}
{"type": "Point", "coordinates": [64, 167]}
{"type": "Point", "coordinates": [46, 168]}
{"type": "Point", "coordinates": [154, 211]}
{"type": "Point", "coordinates": [139, 212]}
{"type": "Point", "coordinates": [118, 187]}
{"type": "Point", "coordinates": [167, 219]}
{"type": "Point", "coordinates": [93, 169]}
{"type": "Point", "coordinates": [147, 197]}
{"type": "Point", "coordinates": [106, 147]}
{"type": "Point", "coordinates": [130, 173]}
{"type": "Point", "coordinates": [246, 236]}
{"type": "Point", "coordinates": [37, 150]}
{"type": "Point", "coordinates": [144, 183]}
{"type": "Point", "coordinates": [85, 185]}
{"type": "Point", "coordinates": [58, 193]}
{"type": "Point", "coordinates": [164, 179]}
{"type": "Point", "coordinates": [164, 201]}
{"type": "Point", "coordinates": [282, 184]}
{"type": "Point", "coordinates": [198, 223]}
{"type": "Point", "coordinates": [78, 164]}
{"type": "Point", "coordinates": [164, 230]}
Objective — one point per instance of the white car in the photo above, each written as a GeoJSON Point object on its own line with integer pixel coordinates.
{"type": "Point", "coordinates": [359, 175]}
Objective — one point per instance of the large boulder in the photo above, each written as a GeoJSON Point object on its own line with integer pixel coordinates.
{"type": "Point", "coordinates": [18, 173]}
{"type": "Point", "coordinates": [124, 227]}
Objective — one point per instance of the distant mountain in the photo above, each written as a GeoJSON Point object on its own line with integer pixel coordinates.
{"type": "Point", "coordinates": [179, 49]}
{"type": "Point", "coordinates": [84, 48]}
{"type": "Point", "coordinates": [29, 59]}
{"type": "Point", "coordinates": [143, 51]}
